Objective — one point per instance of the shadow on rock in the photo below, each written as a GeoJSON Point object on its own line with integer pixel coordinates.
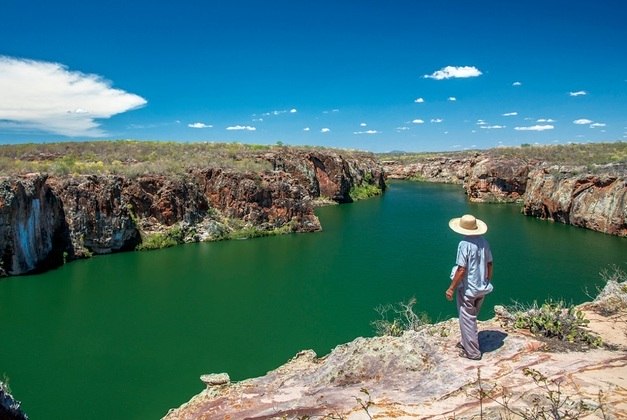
{"type": "Point", "coordinates": [491, 340]}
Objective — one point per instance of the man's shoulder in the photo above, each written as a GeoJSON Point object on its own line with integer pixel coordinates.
{"type": "Point", "coordinates": [477, 240]}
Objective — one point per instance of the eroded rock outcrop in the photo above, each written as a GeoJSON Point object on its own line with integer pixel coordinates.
{"type": "Point", "coordinates": [329, 174]}
{"type": "Point", "coordinates": [33, 231]}
{"type": "Point", "coordinates": [570, 195]}
{"type": "Point", "coordinates": [46, 220]}
{"type": "Point", "coordinates": [448, 170]}
{"type": "Point", "coordinates": [496, 180]}
{"type": "Point", "coordinates": [420, 375]}
{"type": "Point", "coordinates": [597, 202]}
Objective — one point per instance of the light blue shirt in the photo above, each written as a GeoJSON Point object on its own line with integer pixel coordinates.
{"type": "Point", "coordinates": [473, 253]}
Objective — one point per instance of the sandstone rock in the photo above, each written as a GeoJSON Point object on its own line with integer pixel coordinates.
{"type": "Point", "coordinates": [419, 375]}
{"type": "Point", "coordinates": [215, 379]}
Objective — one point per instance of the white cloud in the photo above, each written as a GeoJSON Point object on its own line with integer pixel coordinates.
{"type": "Point", "coordinates": [306, 129]}
{"type": "Point", "coordinates": [199, 125]}
{"type": "Point", "coordinates": [510, 114]}
{"type": "Point", "coordinates": [419, 100]}
{"type": "Point", "coordinates": [595, 125]}
{"type": "Point", "coordinates": [583, 121]}
{"type": "Point", "coordinates": [578, 93]}
{"type": "Point", "coordinates": [452, 98]}
{"type": "Point", "coordinates": [49, 97]}
{"type": "Point", "coordinates": [279, 112]}
{"type": "Point", "coordinates": [449, 72]}
{"type": "Point", "coordinates": [241, 127]}
{"type": "Point", "coordinates": [325, 130]}
{"type": "Point", "coordinates": [535, 128]}
{"type": "Point", "coordinates": [549, 120]}
{"type": "Point", "coordinates": [436, 120]}
{"type": "Point", "coordinates": [516, 84]}
{"type": "Point", "coordinates": [418, 121]}
{"type": "Point", "coordinates": [481, 122]}
{"type": "Point", "coordinates": [366, 132]}
{"type": "Point", "coordinates": [363, 124]}
{"type": "Point", "coordinates": [402, 128]}
{"type": "Point", "coordinates": [491, 127]}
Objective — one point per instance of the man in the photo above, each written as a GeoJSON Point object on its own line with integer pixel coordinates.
{"type": "Point", "coordinates": [472, 279]}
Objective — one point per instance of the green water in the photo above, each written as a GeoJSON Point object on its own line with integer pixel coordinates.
{"type": "Point", "coordinates": [126, 336]}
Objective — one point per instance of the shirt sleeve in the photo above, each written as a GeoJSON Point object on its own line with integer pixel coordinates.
{"type": "Point", "coordinates": [462, 255]}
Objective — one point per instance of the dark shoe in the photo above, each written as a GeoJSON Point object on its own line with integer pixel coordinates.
{"type": "Point", "coordinates": [462, 353]}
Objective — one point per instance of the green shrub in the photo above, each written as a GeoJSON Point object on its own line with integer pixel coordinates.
{"type": "Point", "coordinates": [555, 319]}
{"type": "Point", "coordinates": [364, 191]}
{"type": "Point", "coordinates": [159, 240]}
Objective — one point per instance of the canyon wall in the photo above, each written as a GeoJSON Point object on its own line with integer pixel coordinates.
{"type": "Point", "coordinates": [46, 220]}
{"type": "Point", "coordinates": [592, 201]}
{"type": "Point", "coordinates": [593, 198]}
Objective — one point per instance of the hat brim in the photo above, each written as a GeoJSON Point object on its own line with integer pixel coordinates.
{"type": "Point", "coordinates": [481, 227]}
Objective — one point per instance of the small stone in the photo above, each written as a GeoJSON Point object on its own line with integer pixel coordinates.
{"type": "Point", "coordinates": [216, 379]}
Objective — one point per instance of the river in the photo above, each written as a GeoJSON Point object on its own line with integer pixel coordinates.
{"type": "Point", "coordinates": [126, 336]}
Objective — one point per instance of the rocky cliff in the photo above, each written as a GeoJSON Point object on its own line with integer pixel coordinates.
{"type": "Point", "coordinates": [420, 375]}
{"type": "Point", "coordinates": [593, 198]}
{"type": "Point", "coordinates": [33, 231]}
{"type": "Point", "coordinates": [597, 202]}
{"type": "Point", "coordinates": [45, 220]}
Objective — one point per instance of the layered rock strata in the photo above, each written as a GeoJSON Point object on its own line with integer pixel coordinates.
{"type": "Point", "coordinates": [46, 220]}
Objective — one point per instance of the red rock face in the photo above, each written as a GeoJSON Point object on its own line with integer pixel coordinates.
{"type": "Point", "coordinates": [43, 220]}
{"type": "Point", "coordinates": [596, 202]}
{"type": "Point", "coordinates": [329, 174]}
{"type": "Point", "coordinates": [590, 201]}
{"type": "Point", "coordinates": [497, 180]}
{"type": "Point", "coordinates": [267, 200]}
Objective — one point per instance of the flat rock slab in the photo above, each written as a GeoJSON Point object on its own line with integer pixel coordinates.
{"type": "Point", "coordinates": [419, 375]}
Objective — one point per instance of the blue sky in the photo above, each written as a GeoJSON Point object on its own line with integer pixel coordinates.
{"type": "Point", "coordinates": [371, 75]}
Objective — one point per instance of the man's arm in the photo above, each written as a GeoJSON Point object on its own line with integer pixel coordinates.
{"type": "Point", "coordinates": [457, 278]}
{"type": "Point", "coordinates": [490, 271]}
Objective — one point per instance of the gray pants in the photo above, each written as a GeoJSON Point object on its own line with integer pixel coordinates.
{"type": "Point", "coordinates": [468, 309]}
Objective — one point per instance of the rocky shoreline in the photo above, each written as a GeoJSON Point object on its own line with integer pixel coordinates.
{"type": "Point", "coordinates": [48, 220]}
{"type": "Point", "coordinates": [593, 198]}
{"type": "Point", "coordinates": [420, 375]}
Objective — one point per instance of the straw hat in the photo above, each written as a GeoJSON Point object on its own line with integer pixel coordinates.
{"type": "Point", "coordinates": [468, 225]}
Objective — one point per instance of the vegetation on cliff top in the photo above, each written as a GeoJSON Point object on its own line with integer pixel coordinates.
{"type": "Point", "coordinates": [569, 154]}
{"type": "Point", "coordinates": [132, 158]}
